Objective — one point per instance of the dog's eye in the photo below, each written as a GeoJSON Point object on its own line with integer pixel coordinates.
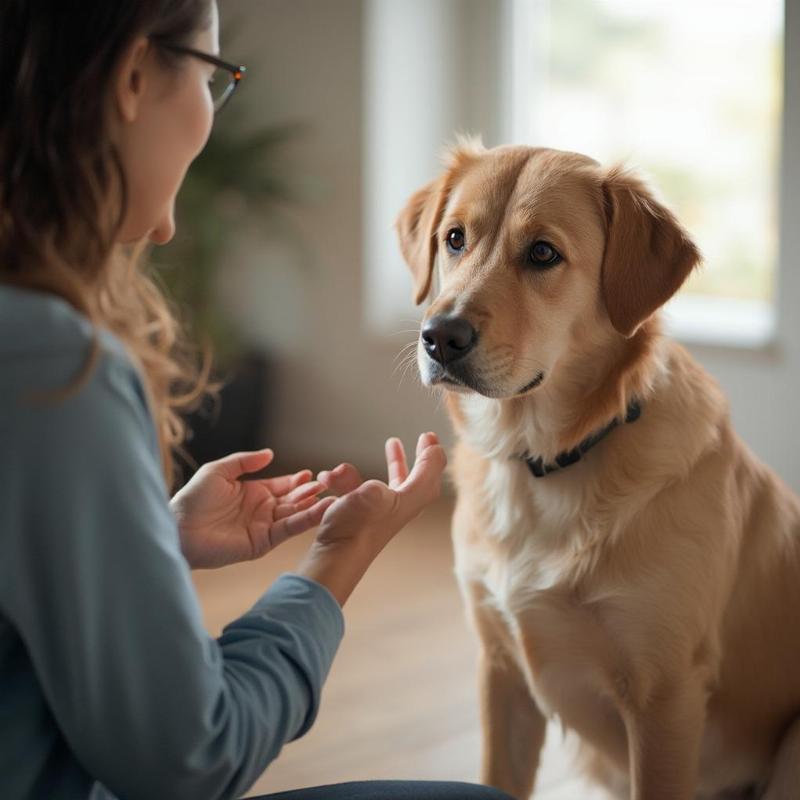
{"type": "Point", "coordinates": [455, 240]}
{"type": "Point", "coordinates": [543, 254]}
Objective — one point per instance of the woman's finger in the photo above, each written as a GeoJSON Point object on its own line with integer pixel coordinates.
{"type": "Point", "coordinates": [396, 462]}
{"type": "Point", "coordinates": [300, 492]}
{"type": "Point", "coordinates": [424, 481]}
{"type": "Point", "coordinates": [240, 466]}
{"type": "Point", "coordinates": [286, 483]}
{"type": "Point", "coordinates": [283, 510]}
{"type": "Point", "coordinates": [341, 480]}
{"type": "Point", "coordinates": [300, 522]}
{"type": "Point", "coordinates": [426, 440]}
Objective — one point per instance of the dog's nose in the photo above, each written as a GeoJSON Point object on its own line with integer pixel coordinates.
{"type": "Point", "coordinates": [447, 339]}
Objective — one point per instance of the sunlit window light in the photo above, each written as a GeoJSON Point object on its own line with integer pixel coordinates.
{"type": "Point", "coordinates": [687, 91]}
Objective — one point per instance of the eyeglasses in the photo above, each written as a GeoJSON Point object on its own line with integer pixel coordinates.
{"type": "Point", "coordinates": [221, 86]}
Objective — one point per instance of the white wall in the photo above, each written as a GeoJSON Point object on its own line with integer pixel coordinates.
{"type": "Point", "coordinates": [336, 392]}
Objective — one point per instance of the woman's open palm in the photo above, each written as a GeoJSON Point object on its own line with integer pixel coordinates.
{"type": "Point", "coordinates": [224, 519]}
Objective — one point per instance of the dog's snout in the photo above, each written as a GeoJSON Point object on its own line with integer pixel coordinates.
{"type": "Point", "coordinates": [447, 339]}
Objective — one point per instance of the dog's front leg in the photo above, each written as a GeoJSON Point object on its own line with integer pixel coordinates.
{"type": "Point", "coordinates": [664, 743]}
{"type": "Point", "coordinates": [512, 725]}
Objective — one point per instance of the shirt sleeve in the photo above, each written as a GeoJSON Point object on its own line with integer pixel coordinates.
{"type": "Point", "coordinates": [148, 702]}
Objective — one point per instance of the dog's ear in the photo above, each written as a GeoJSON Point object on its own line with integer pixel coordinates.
{"type": "Point", "coordinates": [648, 255]}
{"type": "Point", "coordinates": [416, 228]}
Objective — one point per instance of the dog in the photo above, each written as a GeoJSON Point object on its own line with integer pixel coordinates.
{"type": "Point", "coordinates": [628, 564]}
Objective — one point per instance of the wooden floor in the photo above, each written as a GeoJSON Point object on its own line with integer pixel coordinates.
{"type": "Point", "coordinates": [401, 700]}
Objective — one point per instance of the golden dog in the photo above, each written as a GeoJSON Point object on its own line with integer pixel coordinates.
{"type": "Point", "coordinates": [629, 565]}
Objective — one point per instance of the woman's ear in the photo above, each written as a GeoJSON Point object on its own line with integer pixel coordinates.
{"type": "Point", "coordinates": [131, 78]}
{"type": "Point", "coordinates": [648, 254]}
{"type": "Point", "coordinates": [416, 227]}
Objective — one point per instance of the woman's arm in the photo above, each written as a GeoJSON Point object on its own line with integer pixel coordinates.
{"type": "Point", "coordinates": [148, 703]}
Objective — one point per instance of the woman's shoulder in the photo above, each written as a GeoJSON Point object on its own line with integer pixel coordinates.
{"type": "Point", "coordinates": [35, 323]}
{"type": "Point", "coordinates": [44, 346]}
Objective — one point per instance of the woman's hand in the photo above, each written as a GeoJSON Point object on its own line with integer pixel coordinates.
{"type": "Point", "coordinates": [358, 525]}
{"type": "Point", "coordinates": [223, 519]}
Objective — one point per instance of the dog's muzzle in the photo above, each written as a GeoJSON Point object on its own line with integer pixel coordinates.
{"type": "Point", "coordinates": [447, 339]}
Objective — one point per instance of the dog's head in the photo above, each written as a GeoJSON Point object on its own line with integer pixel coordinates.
{"type": "Point", "coordinates": [532, 248]}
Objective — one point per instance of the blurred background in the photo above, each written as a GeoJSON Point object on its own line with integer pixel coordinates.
{"type": "Point", "coordinates": [287, 258]}
{"type": "Point", "coordinates": [286, 254]}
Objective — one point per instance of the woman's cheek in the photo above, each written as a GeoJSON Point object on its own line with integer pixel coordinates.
{"type": "Point", "coordinates": [204, 118]}
{"type": "Point", "coordinates": [188, 143]}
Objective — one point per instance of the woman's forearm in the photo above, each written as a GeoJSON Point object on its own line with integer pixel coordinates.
{"type": "Point", "coordinates": [338, 568]}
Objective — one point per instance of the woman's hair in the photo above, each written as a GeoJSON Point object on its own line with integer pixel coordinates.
{"type": "Point", "coordinates": [59, 175]}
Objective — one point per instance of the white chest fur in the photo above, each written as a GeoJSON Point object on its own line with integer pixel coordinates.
{"type": "Point", "coordinates": [542, 531]}
{"type": "Point", "coordinates": [536, 530]}
{"type": "Point", "coordinates": [530, 582]}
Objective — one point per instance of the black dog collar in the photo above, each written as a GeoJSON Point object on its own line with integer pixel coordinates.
{"type": "Point", "coordinates": [539, 469]}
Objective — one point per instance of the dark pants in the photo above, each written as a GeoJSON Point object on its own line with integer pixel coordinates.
{"type": "Point", "coordinates": [392, 790]}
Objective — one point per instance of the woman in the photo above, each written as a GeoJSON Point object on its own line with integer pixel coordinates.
{"type": "Point", "coordinates": [108, 683]}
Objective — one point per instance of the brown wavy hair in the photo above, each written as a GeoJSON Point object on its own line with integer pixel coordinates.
{"type": "Point", "coordinates": [59, 173]}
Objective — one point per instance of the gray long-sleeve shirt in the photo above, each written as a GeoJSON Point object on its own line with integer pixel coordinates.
{"type": "Point", "coordinates": [109, 683]}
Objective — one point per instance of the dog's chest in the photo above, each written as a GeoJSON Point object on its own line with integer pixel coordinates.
{"type": "Point", "coordinates": [533, 579]}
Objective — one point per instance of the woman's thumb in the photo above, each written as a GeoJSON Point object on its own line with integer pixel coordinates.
{"type": "Point", "coordinates": [240, 466]}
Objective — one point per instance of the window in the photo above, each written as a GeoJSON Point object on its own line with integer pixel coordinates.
{"type": "Point", "coordinates": [690, 93]}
